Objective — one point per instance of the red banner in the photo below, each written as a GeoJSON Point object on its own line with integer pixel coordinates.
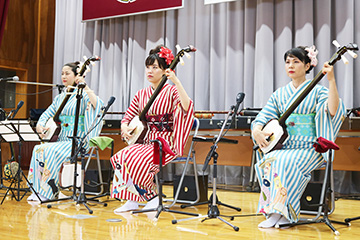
{"type": "Point", "coordinates": [101, 9]}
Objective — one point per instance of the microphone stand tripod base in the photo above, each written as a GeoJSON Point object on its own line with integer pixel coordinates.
{"type": "Point", "coordinates": [213, 212]}
{"type": "Point", "coordinates": [213, 202]}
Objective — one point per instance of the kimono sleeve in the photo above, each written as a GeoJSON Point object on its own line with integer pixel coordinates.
{"type": "Point", "coordinates": [133, 110]}
{"type": "Point", "coordinates": [90, 116]}
{"type": "Point", "coordinates": [328, 126]}
{"type": "Point", "coordinates": [183, 122]}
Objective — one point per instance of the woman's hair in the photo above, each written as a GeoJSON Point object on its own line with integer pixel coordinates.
{"type": "Point", "coordinates": [300, 53]}
{"type": "Point", "coordinates": [153, 55]}
{"type": "Point", "coordinates": [74, 66]}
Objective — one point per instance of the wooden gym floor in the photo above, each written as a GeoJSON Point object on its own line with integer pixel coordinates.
{"type": "Point", "coordinates": [21, 220]}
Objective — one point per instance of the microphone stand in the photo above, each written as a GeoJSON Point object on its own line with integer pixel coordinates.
{"type": "Point", "coordinates": [213, 211]}
{"type": "Point", "coordinates": [2, 118]}
{"type": "Point", "coordinates": [81, 198]}
{"type": "Point", "coordinates": [60, 87]}
{"type": "Point", "coordinates": [74, 144]}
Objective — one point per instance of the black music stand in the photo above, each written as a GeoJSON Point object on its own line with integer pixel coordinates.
{"type": "Point", "coordinates": [17, 131]}
{"type": "Point", "coordinates": [213, 202]}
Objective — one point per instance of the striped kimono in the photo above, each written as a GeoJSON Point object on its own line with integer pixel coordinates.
{"type": "Point", "coordinates": [134, 167]}
{"type": "Point", "coordinates": [283, 174]}
{"type": "Point", "coordinates": [47, 158]}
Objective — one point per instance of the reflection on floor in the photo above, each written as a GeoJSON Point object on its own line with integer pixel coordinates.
{"type": "Point", "coordinates": [70, 221]}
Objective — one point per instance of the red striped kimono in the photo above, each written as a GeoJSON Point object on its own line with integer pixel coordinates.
{"type": "Point", "coordinates": [134, 167]}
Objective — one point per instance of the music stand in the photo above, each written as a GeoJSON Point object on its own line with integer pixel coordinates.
{"type": "Point", "coordinates": [18, 131]}
{"type": "Point", "coordinates": [213, 210]}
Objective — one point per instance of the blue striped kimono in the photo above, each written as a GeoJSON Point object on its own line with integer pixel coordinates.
{"type": "Point", "coordinates": [283, 174]}
{"type": "Point", "coordinates": [47, 158]}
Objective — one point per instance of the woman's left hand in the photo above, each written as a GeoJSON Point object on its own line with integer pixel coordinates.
{"type": "Point", "coordinates": [80, 79]}
{"type": "Point", "coordinates": [329, 70]}
{"type": "Point", "coordinates": [170, 74]}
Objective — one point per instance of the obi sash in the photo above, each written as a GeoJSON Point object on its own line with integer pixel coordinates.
{"type": "Point", "coordinates": [301, 125]}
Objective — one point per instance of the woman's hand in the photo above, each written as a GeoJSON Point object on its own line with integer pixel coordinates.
{"type": "Point", "coordinates": [260, 136]}
{"type": "Point", "coordinates": [90, 93]}
{"type": "Point", "coordinates": [41, 131]}
{"type": "Point", "coordinates": [184, 98]}
{"type": "Point", "coordinates": [170, 74]}
{"type": "Point", "coordinates": [126, 131]}
{"type": "Point", "coordinates": [329, 70]}
{"type": "Point", "coordinates": [80, 79]}
{"type": "Point", "coordinates": [333, 97]}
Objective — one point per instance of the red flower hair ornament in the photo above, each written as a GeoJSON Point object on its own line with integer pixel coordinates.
{"type": "Point", "coordinates": [166, 54]}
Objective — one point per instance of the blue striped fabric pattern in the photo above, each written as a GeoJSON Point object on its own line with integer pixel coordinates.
{"type": "Point", "coordinates": [283, 174]}
{"type": "Point", "coordinates": [47, 158]}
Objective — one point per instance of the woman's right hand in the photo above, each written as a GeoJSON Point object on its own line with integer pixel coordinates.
{"type": "Point", "coordinates": [126, 131]}
{"type": "Point", "coordinates": [260, 136]}
{"type": "Point", "coordinates": [41, 131]}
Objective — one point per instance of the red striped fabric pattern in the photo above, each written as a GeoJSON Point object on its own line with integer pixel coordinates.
{"type": "Point", "coordinates": [134, 168]}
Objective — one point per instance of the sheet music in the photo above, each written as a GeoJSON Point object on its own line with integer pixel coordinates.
{"type": "Point", "coordinates": [11, 129]}
{"type": "Point", "coordinates": [11, 137]}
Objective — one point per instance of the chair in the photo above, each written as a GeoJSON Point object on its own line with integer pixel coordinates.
{"type": "Point", "coordinates": [91, 181]}
{"type": "Point", "coordinates": [253, 185]}
{"type": "Point", "coordinates": [189, 158]}
{"type": "Point", "coordinates": [160, 148]}
{"type": "Point", "coordinates": [316, 192]}
{"type": "Point", "coordinates": [327, 194]}
{"type": "Point", "coordinates": [97, 143]}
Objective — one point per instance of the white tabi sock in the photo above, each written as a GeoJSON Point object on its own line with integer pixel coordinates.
{"type": "Point", "coordinates": [32, 197]}
{"type": "Point", "coordinates": [271, 221]}
{"type": "Point", "coordinates": [283, 220]}
{"type": "Point", "coordinates": [128, 206]}
{"type": "Point", "coordinates": [153, 203]}
{"type": "Point", "coordinates": [41, 197]}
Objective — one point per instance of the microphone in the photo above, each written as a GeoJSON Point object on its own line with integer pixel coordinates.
{"type": "Point", "coordinates": [110, 102]}
{"type": "Point", "coordinates": [14, 112]}
{"type": "Point", "coordinates": [239, 99]}
{"type": "Point", "coordinates": [14, 78]}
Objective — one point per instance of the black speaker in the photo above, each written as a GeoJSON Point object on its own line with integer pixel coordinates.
{"type": "Point", "coordinates": [188, 187]}
{"type": "Point", "coordinates": [311, 196]}
{"type": "Point", "coordinates": [92, 180]}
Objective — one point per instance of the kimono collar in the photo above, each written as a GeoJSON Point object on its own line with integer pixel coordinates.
{"type": "Point", "coordinates": [299, 87]}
